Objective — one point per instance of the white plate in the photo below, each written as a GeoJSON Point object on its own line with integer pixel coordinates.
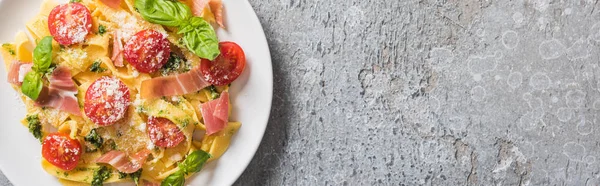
{"type": "Point", "coordinates": [20, 153]}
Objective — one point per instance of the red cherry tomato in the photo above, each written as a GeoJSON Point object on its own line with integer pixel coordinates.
{"type": "Point", "coordinates": [61, 151]}
{"type": "Point", "coordinates": [163, 132]}
{"type": "Point", "coordinates": [70, 23]}
{"type": "Point", "coordinates": [226, 67]}
{"type": "Point", "coordinates": [147, 50]}
{"type": "Point", "coordinates": [106, 101]}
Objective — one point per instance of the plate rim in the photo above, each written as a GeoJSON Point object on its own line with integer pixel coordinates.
{"type": "Point", "coordinates": [270, 95]}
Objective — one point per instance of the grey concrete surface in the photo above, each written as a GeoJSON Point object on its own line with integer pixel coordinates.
{"type": "Point", "coordinates": [431, 92]}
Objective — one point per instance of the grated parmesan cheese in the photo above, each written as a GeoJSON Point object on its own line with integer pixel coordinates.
{"type": "Point", "coordinates": [150, 146]}
{"type": "Point", "coordinates": [135, 73]}
{"type": "Point", "coordinates": [176, 157]}
{"type": "Point", "coordinates": [142, 127]}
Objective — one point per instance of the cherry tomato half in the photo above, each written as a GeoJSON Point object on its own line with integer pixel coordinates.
{"type": "Point", "coordinates": [61, 151]}
{"type": "Point", "coordinates": [147, 50]}
{"type": "Point", "coordinates": [226, 67]}
{"type": "Point", "coordinates": [70, 23]}
{"type": "Point", "coordinates": [106, 101]}
{"type": "Point", "coordinates": [163, 132]}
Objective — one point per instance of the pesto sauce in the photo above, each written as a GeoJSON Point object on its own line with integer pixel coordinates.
{"type": "Point", "coordinates": [96, 67]}
{"type": "Point", "coordinates": [101, 175]}
{"type": "Point", "coordinates": [101, 29]}
{"type": "Point", "coordinates": [8, 47]}
{"type": "Point", "coordinates": [94, 138]}
{"type": "Point", "coordinates": [35, 126]}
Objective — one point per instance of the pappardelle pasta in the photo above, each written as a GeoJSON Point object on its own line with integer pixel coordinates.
{"type": "Point", "coordinates": [126, 90]}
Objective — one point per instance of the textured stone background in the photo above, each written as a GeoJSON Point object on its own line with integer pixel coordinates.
{"type": "Point", "coordinates": [426, 92]}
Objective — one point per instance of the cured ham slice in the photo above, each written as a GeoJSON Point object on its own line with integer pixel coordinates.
{"type": "Point", "coordinates": [216, 7]}
{"type": "Point", "coordinates": [124, 164]}
{"type": "Point", "coordinates": [117, 52]}
{"type": "Point", "coordinates": [198, 6]}
{"type": "Point", "coordinates": [17, 72]}
{"type": "Point", "coordinates": [61, 80]}
{"type": "Point", "coordinates": [61, 92]}
{"type": "Point", "coordinates": [222, 108]}
{"type": "Point", "coordinates": [179, 84]}
{"type": "Point", "coordinates": [216, 113]}
{"type": "Point", "coordinates": [112, 3]}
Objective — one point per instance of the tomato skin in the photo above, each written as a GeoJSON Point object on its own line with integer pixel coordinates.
{"type": "Point", "coordinates": [106, 101]}
{"type": "Point", "coordinates": [70, 23]}
{"type": "Point", "coordinates": [163, 132]}
{"type": "Point", "coordinates": [147, 51]}
{"type": "Point", "coordinates": [61, 151]}
{"type": "Point", "coordinates": [227, 67]}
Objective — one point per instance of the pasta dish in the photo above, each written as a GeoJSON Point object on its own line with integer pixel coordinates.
{"type": "Point", "coordinates": [126, 90]}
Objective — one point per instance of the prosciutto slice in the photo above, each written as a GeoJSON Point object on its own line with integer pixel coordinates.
{"type": "Point", "coordinates": [17, 72]}
{"type": "Point", "coordinates": [198, 6]}
{"type": "Point", "coordinates": [216, 6]}
{"type": "Point", "coordinates": [112, 3]}
{"type": "Point", "coordinates": [117, 52]}
{"type": "Point", "coordinates": [124, 164]}
{"type": "Point", "coordinates": [61, 92]}
{"type": "Point", "coordinates": [216, 113]}
{"type": "Point", "coordinates": [179, 84]}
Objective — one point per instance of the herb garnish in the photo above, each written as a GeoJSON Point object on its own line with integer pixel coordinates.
{"type": "Point", "coordinates": [174, 64]}
{"type": "Point", "coordinates": [101, 29]}
{"type": "Point", "coordinates": [101, 175]}
{"type": "Point", "coordinates": [198, 36]}
{"type": "Point", "coordinates": [134, 176]}
{"type": "Point", "coordinates": [35, 126]}
{"type": "Point", "coordinates": [214, 94]}
{"type": "Point", "coordinates": [94, 139]}
{"type": "Point", "coordinates": [192, 164]}
{"type": "Point", "coordinates": [9, 48]}
{"type": "Point", "coordinates": [42, 59]}
{"type": "Point", "coordinates": [96, 67]}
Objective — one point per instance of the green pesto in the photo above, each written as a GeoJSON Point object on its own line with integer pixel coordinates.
{"type": "Point", "coordinates": [101, 29]}
{"type": "Point", "coordinates": [35, 126]}
{"type": "Point", "coordinates": [94, 138]}
{"type": "Point", "coordinates": [96, 67]}
{"type": "Point", "coordinates": [9, 48]}
{"type": "Point", "coordinates": [101, 175]}
{"type": "Point", "coordinates": [214, 94]}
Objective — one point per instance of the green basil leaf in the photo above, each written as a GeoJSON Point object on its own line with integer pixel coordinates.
{"type": "Point", "coordinates": [194, 162]}
{"type": "Point", "coordinates": [175, 179]}
{"type": "Point", "coordinates": [32, 85]}
{"type": "Point", "coordinates": [185, 28]}
{"type": "Point", "coordinates": [42, 55]}
{"type": "Point", "coordinates": [164, 12]}
{"type": "Point", "coordinates": [202, 39]}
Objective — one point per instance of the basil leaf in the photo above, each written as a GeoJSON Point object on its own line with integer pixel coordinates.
{"type": "Point", "coordinates": [164, 12]}
{"type": "Point", "coordinates": [42, 55]}
{"type": "Point", "coordinates": [194, 162]}
{"type": "Point", "coordinates": [175, 179]}
{"type": "Point", "coordinates": [200, 38]}
{"type": "Point", "coordinates": [32, 85]}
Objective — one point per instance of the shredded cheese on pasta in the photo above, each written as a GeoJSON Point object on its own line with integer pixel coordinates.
{"type": "Point", "coordinates": [129, 134]}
